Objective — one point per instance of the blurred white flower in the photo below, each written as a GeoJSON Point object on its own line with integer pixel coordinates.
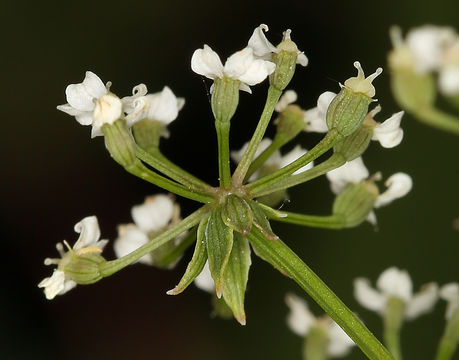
{"type": "Point", "coordinates": [301, 320]}
{"type": "Point", "coordinates": [204, 280]}
{"type": "Point", "coordinates": [388, 133]}
{"type": "Point", "coordinates": [242, 66]}
{"type": "Point", "coordinates": [316, 118]}
{"type": "Point", "coordinates": [450, 293]}
{"type": "Point", "coordinates": [395, 283]}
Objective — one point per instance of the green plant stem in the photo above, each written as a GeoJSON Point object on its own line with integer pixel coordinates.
{"type": "Point", "coordinates": [261, 159]}
{"type": "Point", "coordinates": [110, 267]}
{"type": "Point", "coordinates": [333, 162]}
{"type": "Point", "coordinates": [450, 339]}
{"type": "Point", "coordinates": [438, 119]}
{"type": "Point", "coordinates": [243, 166]}
{"type": "Point", "coordinates": [284, 259]}
{"type": "Point", "coordinates": [393, 320]}
{"type": "Point", "coordinates": [141, 171]}
{"type": "Point", "coordinates": [223, 129]}
{"type": "Point", "coordinates": [178, 250]}
{"type": "Point", "coordinates": [324, 222]}
{"type": "Point", "coordinates": [158, 161]}
{"type": "Point", "coordinates": [267, 182]}
{"type": "Point", "coordinates": [315, 344]}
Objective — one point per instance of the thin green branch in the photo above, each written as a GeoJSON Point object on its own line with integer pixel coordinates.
{"type": "Point", "coordinates": [223, 129]}
{"type": "Point", "coordinates": [438, 119]}
{"type": "Point", "coordinates": [261, 159]}
{"type": "Point", "coordinates": [450, 339]}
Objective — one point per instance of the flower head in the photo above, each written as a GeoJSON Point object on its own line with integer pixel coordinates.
{"type": "Point", "coordinates": [450, 293]}
{"type": "Point", "coordinates": [91, 103]}
{"type": "Point", "coordinates": [87, 248]}
{"type": "Point", "coordinates": [263, 49]}
{"type": "Point", "coordinates": [301, 321]}
{"type": "Point", "coordinates": [242, 66]}
{"type": "Point", "coordinates": [395, 283]}
{"type": "Point", "coordinates": [162, 106]}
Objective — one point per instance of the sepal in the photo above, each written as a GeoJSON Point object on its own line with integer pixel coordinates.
{"type": "Point", "coordinates": [237, 215]}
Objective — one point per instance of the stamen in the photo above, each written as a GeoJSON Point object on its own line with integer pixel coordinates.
{"type": "Point", "coordinates": [49, 261]}
{"type": "Point", "coordinates": [139, 90]}
{"type": "Point", "coordinates": [286, 34]}
{"type": "Point", "coordinates": [60, 249]}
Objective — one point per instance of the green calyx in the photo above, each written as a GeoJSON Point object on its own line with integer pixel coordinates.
{"type": "Point", "coordinates": [119, 143]}
{"type": "Point", "coordinates": [347, 111]}
{"type": "Point", "coordinates": [225, 98]}
{"type": "Point", "coordinates": [290, 123]}
{"type": "Point", "coordinates": [285, 61]}
{"type": "Point", "coordinates": [354, 145]}
{"type": "Point", "coordinates": [82, 268]}
{"type": "Point", "coordinates": [147, 134]}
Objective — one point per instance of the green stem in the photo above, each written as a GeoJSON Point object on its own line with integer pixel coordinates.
{"type": "Point", "coordinates": [141, 171]}
{"type": "Point", "coordinates": [157, 160]}
{"type": "Point", "coordinates": [261, 159]}
{"type": "Point", "coordinates": [223, 129]}
{"type": "Point", "coordinates": [243, 166]}
{"type": "Point", "coordinates": [450, 339]}
{"type": "Point", "coordinates": [393, 320]}
{"type": "Point", "coordinates": [110, 267]}
{"type": "Point", "coordinates": [315, 344]}
{"type": "Point", "coordinates": [267, 182]}
{"type": "Point", "coordinates": [177, 251]}
{"type": "Point", "coordinates": [333, 162]}
{"type": "Point", "coordinates": [325, 222]}
{"type": "Point", "coordinates": [284, 259]}
{"type": "Point", "coordinates": [438, 119]}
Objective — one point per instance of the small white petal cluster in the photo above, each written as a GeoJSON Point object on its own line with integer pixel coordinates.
{"type": "Point", "coordinates": [431, 48]}
{"type": "Point", "coordinates": [301, 320]}
{"type": "Point", "coordinates": [450, 293]}
{"type": "Point", "coordinates": [92, 103]}
{"type": "Point", "coordinates": [242, 65]}
{"type": "Point", "coordinates": [395, 283]}
{"type": "Point", "coordinates": [353, 172]}
{"type": "Point", "coordinates": [263, 49]}
{"type": "Point", "coordinates": [88, 241]}
{"type": "Point", "coordinates": [152, 217]}
{"type": "Point", "coordinates": [275, 161]}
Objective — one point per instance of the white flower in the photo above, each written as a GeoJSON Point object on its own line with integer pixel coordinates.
{"type": "Point", "coordinates": [428, 44]}
{"type": "Point", "coordinates": [162, 106]}
{"type": "Point", "coordinates": [388, 133]}
{"type": "Point", "coordinates": [204, 280]}
{"type": "Point", "coordinates": [301, 320]}
{"type": "Point", "coordinates": [275, 161]}
{"type": "Point", "coordinates": [450, 293]}
{"type": "Point", "coordinates": [263, 49]}
{"type": "Point", "coordinates": [152, 217]}
{"type": "Point", "coordinates": [242, 66]}
{"type": "Point", "coordinates": [395, 283]}
{"type": "Point", "coordinates": [91, 103]}
{"type": "Point", "coordinates": [316, 118]}
{"type": "Point", "coordinates": [448, 77]}
{"type": "Point", "coordinates": [353, 172]}
{"type": "Point", "coordinates": [88, 242]}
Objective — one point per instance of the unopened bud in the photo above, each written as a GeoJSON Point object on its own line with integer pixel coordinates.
{"type": "Point", "coordinates": [225, 98]}
{"type": "Point", "coordinates": [285, 59]}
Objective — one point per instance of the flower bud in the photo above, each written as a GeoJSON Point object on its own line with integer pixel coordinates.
{"type": "Point", "coordinates": [355, 202]}
{"type": "Point", "coordinates": [225, 98]}
{"type": "Point", "coordinates": [354, 145]}
{"type": "Point", "coordinates": [348, 109]}
{"type": "Point", "coordinates": [119, 143]}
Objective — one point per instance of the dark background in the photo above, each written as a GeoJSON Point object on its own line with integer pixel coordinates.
{"type": "Point", "coordinates": [54, 174]}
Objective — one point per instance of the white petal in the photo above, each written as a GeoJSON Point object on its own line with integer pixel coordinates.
{"type": "Point", "coordinates": [207, 62]}
{"type": "Point", "coordinates": [422, 302]}
{"type": "Point", "coordinates": [339, 343]}
{"type": "Point", "coordinates": [85, 118]}
{"type": "Point", "coordinates": [398, 185]}
{"type": "Point", "coordinates": [427, 44]}
{"type": "Point", "coordinates": [259, 43]}
{"type": "Point", "coordinates": [204, 280]}
{"type": "Point", "coordinates": [53, 285]}
{"type": "Point", "coordinates": [242, 87]}
{"type": "Point", "coordinates": [397, 283]}
{"type": "Point", "coordinates": [109, 108]}
{"type": "Point", "coordinates": [367, 296]}
{"type": "Point", "coordinates": [352, 172]}
{"type": "Point", "coordinates": [289, 97]}
{"type": "Point", "coordinates": [243, 66]}
{"type": "Point", "coordinates": [89, 231]}
{"type": "Point", "coordinates": [128, 101]}
{"type": "Point", "coordinates": [130, 238]}
{"type": "Point", "coordinates": [70, 110]}
{"type": "Point", "coordinates": [448, 80]}
{"type": "Point", "coordinates": [293, 155]}
{"type": "Point", "coordinates": [389, 133]}
{"type": "Point", "coordinates": [94, 86]}
{"type": "Point", "coordinates": [79, 98]}
{"type": "Point", "coordinates": [450, 293]}
{"type": "Point", "coordinates": [316, 118]}
{"type": "Point", "coordinates": [302, 59]}
{"type": "Point", "coordinates": [299, 319]}
{"type": "Point", "coordinates": [164, 106]}
{"type": "Point", "coordinates": [154, 214]}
